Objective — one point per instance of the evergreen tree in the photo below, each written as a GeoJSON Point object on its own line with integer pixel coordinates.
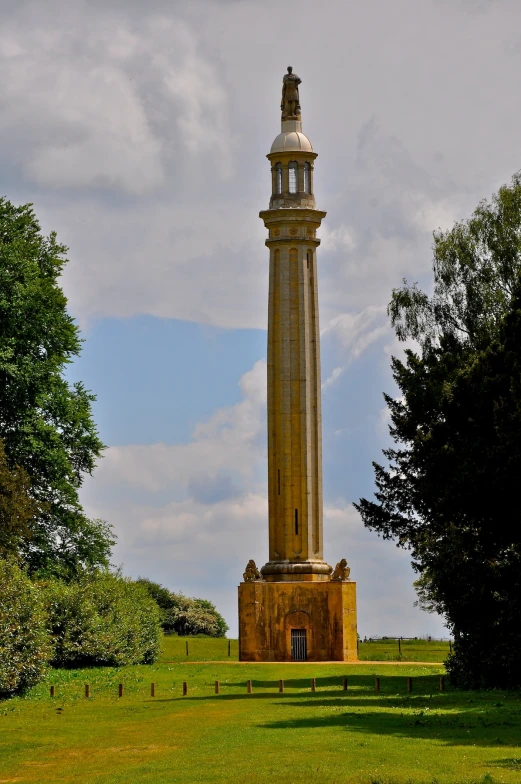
{"type": "Point", "coordinates": [449, 492]}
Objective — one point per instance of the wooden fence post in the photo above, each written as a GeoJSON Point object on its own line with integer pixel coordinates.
{"type": "Point", "coordinates": [409, 685]}
{"type": "Point", "coordinates": [120, 690]}
{"type": "Point", "coordinates": [229, 647]}
{"type": "Point", "coordinates": [399, 646]}
{"type": "Point", "coordinates": [281, 685]}
{"type": "Point", "coordinates": [249, 687]}
{"type": "Point", "coordinates": [217, 687]}
{"type": "Point", "coordinates": [345, 684]}
{"type": "Point", "coordinates": [187, 647]}
{"type": "Point", "coordinates": [87, 690]}
{"type": "Point", "coordinates": [377, 683]}
{"type": "Point", "coordinates": [313, 684]}
{"type": "Point", "coordinates": [442, 683]}
{"type": "Point", "coordinates": [185, 688]}
{"type": "Point", "coordinates": [53, 691]}
{"type": "Point", "coordinates": [152, 689]}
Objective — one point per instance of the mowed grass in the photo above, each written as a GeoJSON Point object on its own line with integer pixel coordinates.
{"type": "Point", "coordinates": [205, 649]}
{"type": "Point", "coordinates": [354, 737]}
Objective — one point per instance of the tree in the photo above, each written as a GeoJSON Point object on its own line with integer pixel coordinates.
{"type": "Point", "coordinates": [449, 493]}
{"type": "Point", "coordinates": [17, 508]}
{"type": "Point", "coordinates": [195, 616]}
{"type": "Point", "coordinates": [45, 423]}
{"type": "Point", "coordinates": [161, 595]}
{"type": "Point", "coordinates": [183, 615]}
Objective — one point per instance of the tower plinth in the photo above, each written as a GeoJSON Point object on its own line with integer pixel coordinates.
{"type": "Point", "coordinates": [296, 581]}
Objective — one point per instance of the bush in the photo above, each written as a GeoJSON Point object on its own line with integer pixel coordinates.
{"type": "Point", "coordinates": [25, 647]}
{"type": "Point", "coordinates": [102, 619]}
{"type": "Point", "coordinates": [185, 616]}
{"type": "Point", "coordinates": [194, 616]}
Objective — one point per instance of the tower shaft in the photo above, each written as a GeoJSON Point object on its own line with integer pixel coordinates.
{"type": "Point", "coordinates": [294, 392]}
{"type": "Point", "coordinates": [294, 412]}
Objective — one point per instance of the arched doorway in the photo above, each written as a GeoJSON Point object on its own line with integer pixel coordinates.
{"type": "Point", "coordinates": [298, 635]}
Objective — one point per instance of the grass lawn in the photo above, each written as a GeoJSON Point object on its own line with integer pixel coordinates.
{"type": "Point", "coordinates": [327, 736]}
{"type": "Point", "coordinates": [204, 649]}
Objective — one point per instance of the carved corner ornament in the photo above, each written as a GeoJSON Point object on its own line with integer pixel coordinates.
{"type": "Point", "coordinates": [252, 574]}
{"type": "Point", "coordinates": [341, 572]}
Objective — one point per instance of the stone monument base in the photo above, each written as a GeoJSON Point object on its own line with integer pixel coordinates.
{"type": "Point", "coordinates": [297, 621]}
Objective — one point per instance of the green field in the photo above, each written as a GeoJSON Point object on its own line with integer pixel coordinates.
{"type": "Point", "coordinates": [204, 649]}
{"type": "Point", "coordinates": [354, 737]}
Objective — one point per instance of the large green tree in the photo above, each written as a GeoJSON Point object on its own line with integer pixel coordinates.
{"type": "Point", "coordinates": [449, 491]}
{"type": "Point", "coordinates": [46, 424]}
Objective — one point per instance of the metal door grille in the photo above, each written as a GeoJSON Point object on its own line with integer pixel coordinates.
{"type": "Point", "coordinates": [299, 648]}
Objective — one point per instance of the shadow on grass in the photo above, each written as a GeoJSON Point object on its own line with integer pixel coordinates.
{"type": "Point", "coordinates": [320, 700]}
{"type": "Point", "coordinates": [452, 718]}
{"type": "Point", "coordinates": [388, 684]}
{"type": "Point", "coordinates": [456, 728]}
{"type": "Point", "coordinates": [511, 763]}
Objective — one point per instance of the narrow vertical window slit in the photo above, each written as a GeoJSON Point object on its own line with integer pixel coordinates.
{"type": "Point", "coordinates": [293, 169]}
{"type": "Point", "coordinates": [278, 177]}
{"type": "Point", "coordinates": [307, 179]}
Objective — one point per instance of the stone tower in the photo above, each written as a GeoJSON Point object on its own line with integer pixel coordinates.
{"type": "Point", "coordinates": [295, 608]}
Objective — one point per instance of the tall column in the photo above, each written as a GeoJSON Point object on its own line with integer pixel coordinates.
{"type": "Point", "coordinates": [294, 390]}
{"type": "Point", "coordinates": [294, 416]}
{"type": "Point", "coordinates": [297, 608]}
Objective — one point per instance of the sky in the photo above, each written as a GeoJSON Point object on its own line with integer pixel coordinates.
{"type": "Point", "coordinates": [139, 131]}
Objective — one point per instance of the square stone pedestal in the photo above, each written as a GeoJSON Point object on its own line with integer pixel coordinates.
{"type": "Point", "coordinates": [287, 621]}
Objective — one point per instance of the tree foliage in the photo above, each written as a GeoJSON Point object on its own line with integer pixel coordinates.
{"type": "Point", "coordinates": [449, 492]}
{"type": "Point", "coordinates": [17, 508]}
{"type": "Point", "coordinates": [45, 423]}
{"type": "Point", "coordinates": [183, 615]}
{"type": "Point", "coordinates": [101, 619]}
{"type": "Point", "coordinates": [475, 266]}
{"type": "Point", "coordinates": [25, 647]}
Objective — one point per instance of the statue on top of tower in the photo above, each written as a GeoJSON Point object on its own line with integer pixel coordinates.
{"type": "Point", "coordinates": [290, 104]}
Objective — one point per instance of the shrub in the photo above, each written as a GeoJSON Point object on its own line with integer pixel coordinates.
{"type": "Point", "coordinates": [25, 647]}
{"type": "Point", "coordinates": [102, 619]}
{"type": "Point", "coordinates": [183, 615]}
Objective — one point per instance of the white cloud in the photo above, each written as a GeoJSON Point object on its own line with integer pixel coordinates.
{"type": "Point", "coordinates": [354, 333]}
{"type": "Point", "coordinates": [107, 97]}
{"type": "Point", "coordinates": [335, 374]}
{"type": "Point", "coordinates": [341, 238]}
{"type": "Point", "coordinates": [140, 135]}
{"type": "Point", "coordinates": [178, 262]}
